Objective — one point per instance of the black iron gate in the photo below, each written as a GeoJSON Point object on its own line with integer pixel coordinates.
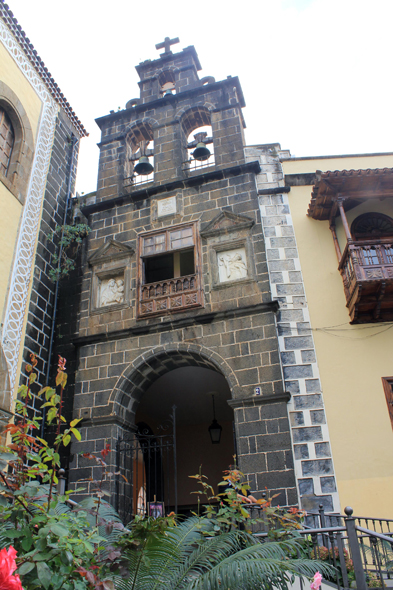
{"type": "Point", "coordinates": [147, 470]}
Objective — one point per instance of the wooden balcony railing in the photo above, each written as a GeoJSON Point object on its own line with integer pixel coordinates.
{"type": "Point", "coordinates": [170, 295]}
{"type": "Point", "coordinates": [366, 268]}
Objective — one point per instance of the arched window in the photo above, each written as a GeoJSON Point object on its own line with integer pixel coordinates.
{"type": "Point", "coordinates": [16, 143]}
{"type": "Point", "coordinates": [375, 230]}
{"type": "Point", "coordinates": [372, 225]}
{"type": "Point", "coordinates": [139, 165]}
{"type": "Point", "coordinates": [197, 128]}
{"type": "Point", "coordinates": [7, 137]}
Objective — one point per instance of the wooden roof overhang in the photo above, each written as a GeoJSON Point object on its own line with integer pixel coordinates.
{"type": "Point", "coordinates": [350, 186]}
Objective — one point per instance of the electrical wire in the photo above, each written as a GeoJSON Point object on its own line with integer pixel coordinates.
{"type": "Point", "coordinates": [331, 329]}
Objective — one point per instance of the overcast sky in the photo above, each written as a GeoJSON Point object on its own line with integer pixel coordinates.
{"type": "Point", "coordinates": [316, 74]}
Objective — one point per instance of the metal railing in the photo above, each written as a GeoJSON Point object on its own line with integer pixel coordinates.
{"type": "Point", "coordinates": [360, 549]}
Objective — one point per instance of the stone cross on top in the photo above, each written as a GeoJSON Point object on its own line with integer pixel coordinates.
{"type": "Point", "coordinates": [166, 44]}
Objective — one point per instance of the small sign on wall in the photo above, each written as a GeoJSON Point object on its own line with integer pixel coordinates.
{"type": "Point", "coordinates": [257, 391]}
{"type": "Point", "coordinates": [166, 206]}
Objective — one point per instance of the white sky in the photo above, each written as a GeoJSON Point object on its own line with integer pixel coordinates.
{"type": "Point", "coordinates": [316, 74]}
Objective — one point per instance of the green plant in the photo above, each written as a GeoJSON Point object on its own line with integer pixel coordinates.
{"type": "Point", "coordinates": [190, 556]}
{"type": "Point", "coordinates": [68, 239]}
{"type": "Point", "coordinates": [231, 508]}
{"type": "Point", "coordinates": [332, 556]}
{"type": "Point", "coordinates": [57, 547]}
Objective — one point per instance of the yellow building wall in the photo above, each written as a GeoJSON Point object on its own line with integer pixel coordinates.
{"type": "Point", "coordinates": [351, 359]}
{"type": "Point", "coordinates": [11, 75]}
{"type": "Point", "coordinates": [11, 210]}
{"type": "Point", "coordinates": [355, 162]}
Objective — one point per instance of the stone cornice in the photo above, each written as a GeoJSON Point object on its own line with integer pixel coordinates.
{"type": "Point", "coordinates": [260, 400]}
{"type": "Point", "coordinates": [155, 189]}
{"type": "Point", "coordinates": [181, 96]}
{"type": "Point", "coordinates": [183, 322]}
{"type": "Point", "coordinates": [106, 420]}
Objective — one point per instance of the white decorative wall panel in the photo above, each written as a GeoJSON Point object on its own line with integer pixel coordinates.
{"type": "Point", "coordinates": [19, 290]}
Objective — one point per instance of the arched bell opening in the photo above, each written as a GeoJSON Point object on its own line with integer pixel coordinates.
{"type": "Point", "coordinates": [167, 83]}
{"type": "Point", "coordinates": [198, 133]}
{"type": "Point", "coordinates": [139, 160]}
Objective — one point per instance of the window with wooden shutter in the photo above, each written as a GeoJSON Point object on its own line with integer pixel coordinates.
{"type": "Point", "coordinates": [6, 141]}
{"type": "Point", "coordinates": [169, 278]}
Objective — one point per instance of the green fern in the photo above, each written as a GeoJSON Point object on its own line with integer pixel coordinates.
{"type": "Point", "coordinates": [183, 558]}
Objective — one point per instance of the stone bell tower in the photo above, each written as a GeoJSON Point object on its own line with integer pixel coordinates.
{"type": "Point", "coordinates": [175, 304]}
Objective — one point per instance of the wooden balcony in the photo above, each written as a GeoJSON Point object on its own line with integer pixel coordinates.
{"type": "Point", "coordinates": [171, 295]}
{"type": "Point", "coordinates": [366, 268]}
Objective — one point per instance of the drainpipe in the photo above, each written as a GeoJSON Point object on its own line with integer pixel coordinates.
{"type": "Point", "coordinates": [74, 142]}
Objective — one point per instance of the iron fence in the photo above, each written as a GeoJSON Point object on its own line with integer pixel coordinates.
{"type": "Point", "coordinates": [146, 470]}
{"type": "Point", "coordinates": [361, 556]}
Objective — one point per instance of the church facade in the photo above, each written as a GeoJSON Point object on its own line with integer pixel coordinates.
{"type": "Point", "coordinates": [175, 301]}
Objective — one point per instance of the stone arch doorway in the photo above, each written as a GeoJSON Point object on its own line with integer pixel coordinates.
{"type": "Point", "coordinates": [185, 379]}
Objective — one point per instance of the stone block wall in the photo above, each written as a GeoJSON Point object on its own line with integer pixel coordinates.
{"type": "Point", "coordinates": [114, 374]}
{"type": "Point", "coordinates": [40, 310]}
{"type": "Point", "coordinates": [309, 431]}
{"type": "Point", "coordinates": [233, 332]}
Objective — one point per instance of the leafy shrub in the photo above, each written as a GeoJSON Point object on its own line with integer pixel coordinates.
{"type": "Point", "coordinates": [58, 548]}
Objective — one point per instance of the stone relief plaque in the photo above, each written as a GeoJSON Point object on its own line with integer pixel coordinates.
{"type": "Point", "coordinates": [232, 265]}
{"type": "Point", "coordinates": [166, 206]}
{"type": "Point", "coordinates": [111, 291]}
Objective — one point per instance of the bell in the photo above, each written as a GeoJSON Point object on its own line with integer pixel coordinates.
{"type": "Point", "coordinates": [143, 168]}
{"type": "Point", "coordinates": [201, 152]}
{"type": "Point", "coordinates": [168, 92]}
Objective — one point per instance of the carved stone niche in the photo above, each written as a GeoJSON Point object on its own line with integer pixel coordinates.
{"type": "Point", "coordinates": [111, 279]}
{"type": "Point", "coordinates": [230, 249]}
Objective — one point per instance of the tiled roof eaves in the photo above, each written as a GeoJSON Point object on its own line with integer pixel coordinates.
{"type": "Point", "coordinates": [39, 65]}
{"type": "Point", "coordinates": [339, 174]}
{"type": "Point", "coordinates": [353, 173]}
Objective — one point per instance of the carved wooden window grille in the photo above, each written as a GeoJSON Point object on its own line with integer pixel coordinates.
{"type": "Point", "coordinates": [169, 277]}
{"type": "Point", "coordinates": [389, 254]}
{"type": "Point", "coordinates": [388, 388]}
{"type": "Point", "coordinates": [370, 256]}
{"type": "Point", "coordinates": [372, 226]}
{"type": "Point", "coordinates": [6, 141]}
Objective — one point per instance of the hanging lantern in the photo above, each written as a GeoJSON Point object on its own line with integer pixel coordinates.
{"type": "Point", "coordinates": [215, 428]}
{"type": "Point", "coordinates": [201, 152]}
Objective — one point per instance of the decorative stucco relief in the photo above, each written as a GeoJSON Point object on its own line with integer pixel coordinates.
{"type": "Point", "coordinates": [111, 291]}
{"type": "Point", "coordinates": [232, 265]}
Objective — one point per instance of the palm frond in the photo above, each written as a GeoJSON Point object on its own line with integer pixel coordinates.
{"type": "Point", "coordinates": [155, 564]}
{"type": "Point", "coordinates": [252, 574]}
{"type": "Point", "coordinates": [206, 555]}
{"type": "Point", "coordinates": [182, 558]}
